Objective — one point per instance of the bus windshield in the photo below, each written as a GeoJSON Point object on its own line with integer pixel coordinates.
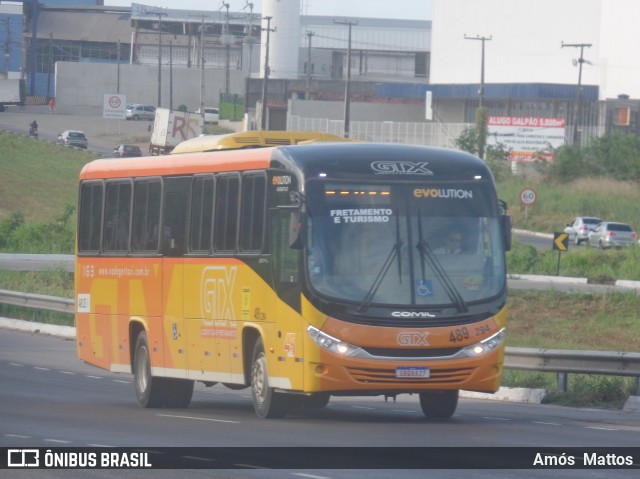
{"type": "Point", "coordinates": [436, 245]}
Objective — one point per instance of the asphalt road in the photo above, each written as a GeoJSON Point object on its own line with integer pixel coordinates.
{"type": "Point", "coordinates": [103, 134]}
{"type": "Point", "coordinates": [50, 399]}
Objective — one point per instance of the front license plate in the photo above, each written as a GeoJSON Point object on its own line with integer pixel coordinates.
{"type": "Point", "coordinates": [409, 372]}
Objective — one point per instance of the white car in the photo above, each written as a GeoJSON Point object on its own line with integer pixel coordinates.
{"type": "Point", "coordinates": [211, 114]}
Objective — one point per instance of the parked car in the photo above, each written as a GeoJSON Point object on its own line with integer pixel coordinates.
{"type": "Point", "coordinates": [611, 234]}
{"type": "Point", "coordinates": [140, 112]}
{"type": "Point", "coordinates": [126, 151]}
{"type": "Point", "coordinates": [579, 229]}
{"type": "Point", "coordinates": [211, 114]}
{"type": "Point", "coordinates": [73, 138]}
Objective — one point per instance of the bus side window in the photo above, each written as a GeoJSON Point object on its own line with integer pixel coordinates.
{"type": "Point", "coordinates": [253, 210]}
{"type": "Point", "coordinates": [225, 228]}
{"type": "Point", "coordinates": [146, 216]}
{"type": "Point", "coordinates": [90, 216]}
{"type": "Point", "coordinates": [117, 215]}
{"type": "Point", "coordinates": [174, 215]}
{"type": "Point", "coordinates": [201, 214]}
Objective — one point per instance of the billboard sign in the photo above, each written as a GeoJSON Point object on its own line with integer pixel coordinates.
{"type": "Point", "coordinates": [527, 138]}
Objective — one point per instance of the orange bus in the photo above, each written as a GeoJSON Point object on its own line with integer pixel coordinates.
{"type": "Point", "coordinates": [300, 272]}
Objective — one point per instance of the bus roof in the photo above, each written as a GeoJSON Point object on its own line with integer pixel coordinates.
{"type": "Point", "coordinates": [192, 163]}
{"type": "Point", "coordinates": [339, 160]}
{"type": "Point", "coordinates": [251, 139]}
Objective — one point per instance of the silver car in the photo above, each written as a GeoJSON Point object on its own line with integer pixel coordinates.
{"type": "Point", "coordinates": [609, 234]}
{"type": "Point", "coordinates": [579, 229]}
{"type": "Point", "coordinates": [140, 112]}
{"type": "Point", "coordinates": [73, 138]}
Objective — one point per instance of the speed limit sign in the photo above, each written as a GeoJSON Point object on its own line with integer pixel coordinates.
{"type": "Point", "coordinates": [528, 197]}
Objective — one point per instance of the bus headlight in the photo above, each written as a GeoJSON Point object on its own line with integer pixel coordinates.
{"type": "Point", "coordinates": [486, 346]}
{"type": "Point", "coordinates": [332, 344]}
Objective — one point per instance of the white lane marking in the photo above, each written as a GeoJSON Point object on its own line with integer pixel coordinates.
{"type": "Point", "coordinates": [496, 418]}
{"type": "Point", "coordinates": [197, 418]}
{"type": "Point", "coordinates": [18, 436]}
{"type": "Point", "coordinates": [59, 441]}
{"type": "Point", "coordinates": [301, 474]}
{"type": "Point", "coordinates": [196, 458]}
{"type": "Point", "coordinates": [16, 364]}
{"type": "Point", "coordinates": [93, 377]}
{"type": "Point", "coordinates": [363, 407]}
{"type": "Point", "coordinates": [602, 428]}
{"type": "Point", "coordinates": [547, 423]}
{"type": "Point", "coordinates": [42, 369]}
{"type": "Point", "coordinates": [250, 466]}
{"type": "Point", "coordinates": [67, 372]}
{"type": "Point", "coordinates": [121, 381]}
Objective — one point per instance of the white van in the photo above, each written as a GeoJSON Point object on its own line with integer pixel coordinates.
{"type": "Point", "coordinates": [211, 114]}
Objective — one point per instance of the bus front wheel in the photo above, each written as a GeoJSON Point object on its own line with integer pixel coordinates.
{"type": "Point", "coordinates": [153, 392]}
{"type": "Point", "coordinates": [439, 404]}
{"type": "Point", "coordinates": [266, 402]}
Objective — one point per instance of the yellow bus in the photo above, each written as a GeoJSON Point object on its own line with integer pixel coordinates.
{"type": "Point", "coordinates": [300, 272]}
{"type": "Point", "coordinates": [252, 139]}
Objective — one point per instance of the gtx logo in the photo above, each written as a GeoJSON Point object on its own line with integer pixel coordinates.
{"type": "Point", "coordinates": [401, 168]}
{"type": "Point", "coordinates": [413, 339]}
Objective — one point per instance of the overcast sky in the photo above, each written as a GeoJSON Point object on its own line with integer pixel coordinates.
{"type": "Point", "coordinates": [405, 9]}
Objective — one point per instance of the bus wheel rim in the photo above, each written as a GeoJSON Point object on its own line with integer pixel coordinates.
{"type": "Point", "coordinates": [142, 367]}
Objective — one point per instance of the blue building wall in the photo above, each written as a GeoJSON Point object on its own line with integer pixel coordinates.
{"type": "Point", "coordinates": [11, 30]}
{"type": "Point", "coordinates": [491, 90]}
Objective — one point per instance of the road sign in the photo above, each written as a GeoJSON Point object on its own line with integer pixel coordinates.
{"type": "Point", "coordinates": [528, 197]}
{"type": "Point", "coordinates": [114, 106]}
{"type": "Point", "coordinates": [560, 241]}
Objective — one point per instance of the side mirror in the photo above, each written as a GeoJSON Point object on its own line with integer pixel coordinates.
{"type": "Point", "coordinates": [506, 232]}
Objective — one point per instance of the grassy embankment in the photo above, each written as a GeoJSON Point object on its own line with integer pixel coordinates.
{"type": "Point", "coordinates": [39, 182]}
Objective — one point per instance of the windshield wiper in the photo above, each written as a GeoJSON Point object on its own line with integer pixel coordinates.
{"type": "Point", "coordinates": [393, 254]}
{"type": "Point", "coordinates": [427, 253]}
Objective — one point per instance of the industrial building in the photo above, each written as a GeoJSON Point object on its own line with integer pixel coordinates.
{"type": "Point", "coordinates": [526, 62]}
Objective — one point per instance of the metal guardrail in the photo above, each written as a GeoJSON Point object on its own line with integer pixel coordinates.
{"type": "Point", "coordinates": [560, 361]}
{"type": "Point", "coordinates": [37, 301]}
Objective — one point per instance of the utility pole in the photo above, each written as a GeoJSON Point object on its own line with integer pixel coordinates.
{"type": "Point", "coordinates": [347, 86]}
{"type": "Point", "coordinates": [308, 92]}
{"type": "Point", "coordinates": [226, 39]}
{"type": "Point", "coordinates": [7, 46]}
{"type": "Point", "coordinates": [481, 89]}
{"type": "Point", "coordinates": [249, 39]}
{"type": "Point", "coordinates": [160, 14]}
{"type": "Point", "coordinates": [202, 77]}
{"type": "Point", "coordinates": [265, 80]}
{"type": "Point", "coordinates": [576, 107]}
{"type": "Point", "coordinates": [118, 60]}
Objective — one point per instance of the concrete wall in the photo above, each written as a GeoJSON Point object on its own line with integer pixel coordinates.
{"type": "Point", "coordinates": [334, 110]}
{"type": "Point", "coordinates": [80, 86]}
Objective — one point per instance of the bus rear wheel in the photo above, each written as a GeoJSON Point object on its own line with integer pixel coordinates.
{"type": "Point", "coordinates": [266, 402]}
{"type": "Point", "coordinates": [439, 404]}
{"type": "Point", "coordinates": [153, 392]}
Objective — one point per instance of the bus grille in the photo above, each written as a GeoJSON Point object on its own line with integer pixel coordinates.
{"type": "Point", "coordinates": [412, 353]}
{"type": "Point", "coordinates": [383, 376]}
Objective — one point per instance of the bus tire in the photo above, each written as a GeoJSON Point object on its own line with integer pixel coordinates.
{"type": "Point", "coordinates": [439, 404]}
{"type": "Point", "coordinates": [266, 402]}
{"type": "Point", "coordinates": [154, 392]}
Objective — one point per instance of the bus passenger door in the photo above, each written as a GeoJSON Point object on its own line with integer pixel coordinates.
{"type": "Point", "coordinates": [286, 254]}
